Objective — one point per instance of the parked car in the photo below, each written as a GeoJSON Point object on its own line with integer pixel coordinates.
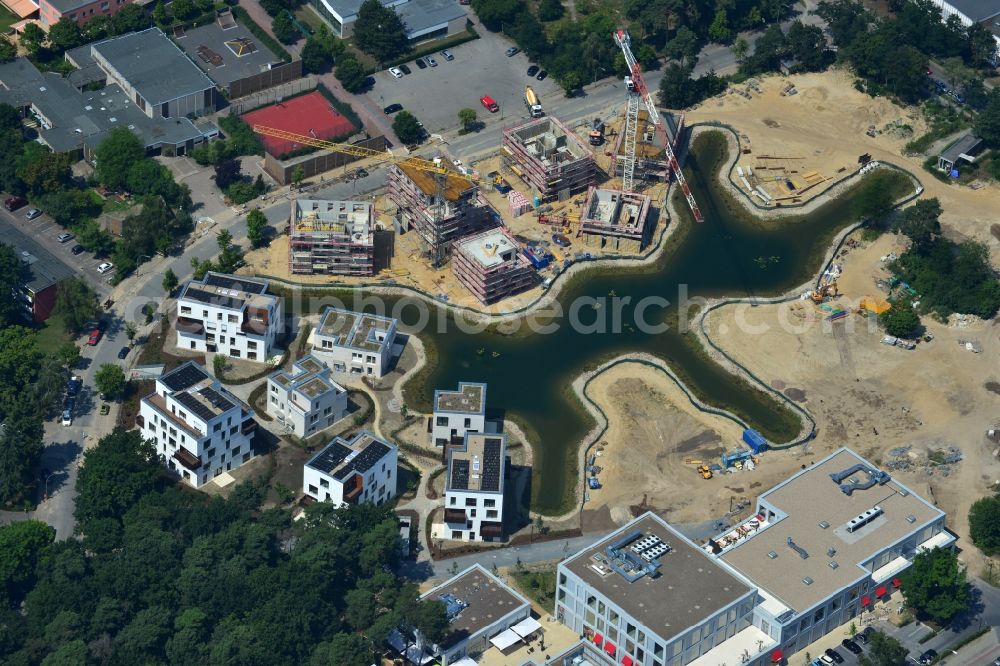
{"type": "Point", "coordinates": [419, 62]}
{"type": "Point", "coordinates": [392, 108]}
{"type": "Point", "coordinates": [76, 249]}
{"type": "Point", "coordinates": [541, 75]}
{"type": "Point", "coordinates": [32, 213]}
{"type": "Point", "coordinates": [825, 660]}
{"type": "Point", "coordinates": [489, 103]}
{"type": "Point", "coordinates": [560, 240]}
{"type": "Point", "coordinates": [958, 97]}
{"type": "Point", "coordinates": [512, 51]}
{"type": "Point", "coordinates": [13, 203]}
{"type": "Point", "coordinates": [67, 417]}
{"type": "Point", "coordinates": [105, 409]}
{"type": "Point", "coordinates": [74, 386]}
{"type": "Point", "coordinates": [851, 646]}
{"type": "Point", "coordinates": [833, 654]}
{"type": "Point", "coordinates": [64, 237]}
{"type": "Point", "coordinates": [370, 82]}
{"type": "Point", "coordinates": [928, 657]}
{"type": "Point", "coordinates": [431, 61]}
{"type": "Point", "coordinates": [95, 337]}
{"type": "Point", "coordinates": [123, 352]}
{"type": "Point", "coordinates": [105, 267]}
{"type": "Point", "coordinates": [396, 73]}
{"type": "Point", "coordinates": [533, 70]}
{"type": "Point", "coordinates": [405, 69]}
{"type": "Point", "coordinates": [446, 54]}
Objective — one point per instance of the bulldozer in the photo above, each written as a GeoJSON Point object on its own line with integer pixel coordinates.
{"type": "Point", "coordinates": [824, 292]}
{"type": "Point", "coordinates": [705, 471]}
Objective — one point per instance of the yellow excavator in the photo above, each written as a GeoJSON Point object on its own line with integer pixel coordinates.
{"type": "Point", "coordinates": [824, 292]}
{"type": "Point", "coordinates": [705, 471]}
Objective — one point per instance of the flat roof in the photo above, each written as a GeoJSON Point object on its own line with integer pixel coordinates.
{"type": "Point", "coordinates": [455, 184]}
{"type": "Point", "coordinates": [490, 248]}
{"type": "Point", "coordinates": [810, 498]}
{"type": "Point", "coordinates": [153, 65]}
{"type": "Point", "coordinates": [354, 329]}
{"type": "Point", "coordinates": [309, 376]}
{"type": "Point", "coordinates": [475, 600]}
{"type": "Point", "coordinates": [348, 9]}
{"type": "Point", "coordinates": [226, 54]}
{"type": "Point", "coordinates": [976, 10]}
{"type": "Point", "coordinates": [549, 141]}
{"type": "Point", "coordinates": [342, 458]}
{"type": "Point", "coordinates": [965, 144]}
{"type": "Point", "coordinates": [42, 268]}
{"type": "Point", "coordinates": [232, 292]}
{"type": "Point", "coordinates": [688, 587]}
{"type": "Point", "coordinates": [423, 16]}
{"type": "Point", "coordinates": [468, 398]}
{"type": "Point", "coordinates": [478, 465]}
{"type": "Point", "coordinates": [325, 217]}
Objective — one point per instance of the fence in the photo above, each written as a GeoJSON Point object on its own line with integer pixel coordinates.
{"type": "Point", "coordinates": [316, 163]}
{"type": "Point", "coordinates": [276, 94]}
{"type": "Point", "coordinates": [278, 75]}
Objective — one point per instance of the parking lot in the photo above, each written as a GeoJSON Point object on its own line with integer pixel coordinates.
{"type": "Point", "coordinates": [435, 95]}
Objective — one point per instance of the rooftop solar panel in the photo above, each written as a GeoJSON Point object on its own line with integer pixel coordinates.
{"type": "Point", "coordinates": [238, 282]}
{"type": "Point", "coordinates": [364, 461]}
{"type": "Point", "coordinates": [211, 298]}
{"type": "Point", "coordinates": [184, 376]}
{"type": "Point", "coordinates": [460, 474]}
{"type": "Point", "coordinates": [197, 408]}
{"type": "Point", "coordinates": [217, 399]}
{"type": "Point", "coordinates": [330, 457]}
{"type": "Point", "coordinates": [492, 465]}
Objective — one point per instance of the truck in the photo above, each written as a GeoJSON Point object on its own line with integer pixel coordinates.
{"type": "Point", "coordinates": [531, 101]}
{"type": "Point", "coordinates": [597, 132]}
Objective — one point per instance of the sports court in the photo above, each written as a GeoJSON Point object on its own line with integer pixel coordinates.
{"type": "Point", "coordinates": [309, 115]}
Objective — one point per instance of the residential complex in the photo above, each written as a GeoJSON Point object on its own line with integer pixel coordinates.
{"type": "Point", "coordinates": [199, 428]}
{"type": "Point", "coordinates": [457, 413]}
{"type": "Point", "coordinates": [439, 223]}
{"type": "Point", "coordinates": [548, 157]}
{"type": "Point", "coordinates": [616, 220]}
{"type": "Point", "coordinates": [231, 315]}
{"type": "Point", "coordinates": [474, 488]}
{"type": "Point", "coordinates": [355, 342]}
{"type": "Point", "coordinates": [331, 238]}
{"type": "Point", "coordinates": [305, 399]}
{"type": "Point", "coordinates": [490, 265]}
{"type": "Point", "coordinates": [361, 469]}
{"type": "Point", "coordinates": [42, 273]}
{"type": "Point", "coordinates": [821, 547]}
{"type": "Point", "coordinates": [51, 12]}
{"type": "Point", "coordinates": [482, 612]}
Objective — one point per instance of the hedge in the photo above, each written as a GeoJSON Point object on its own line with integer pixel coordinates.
{"type": "Point", "coordinates": [261, 34]}
{"type": "Point", "coordinates": [433, 47]}
{"type": "Point", "coordinates": [342, 107]}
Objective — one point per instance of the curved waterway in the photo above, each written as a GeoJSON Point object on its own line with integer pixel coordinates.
{"type": "Point", "coordinates": [731, 253]}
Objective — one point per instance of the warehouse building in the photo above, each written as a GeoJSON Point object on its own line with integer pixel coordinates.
{"type": "Point", "coordinates": [490, 265]}
{"type": "Point", "coordinates": [548, 157]}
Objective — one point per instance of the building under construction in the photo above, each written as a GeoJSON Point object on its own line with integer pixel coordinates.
{"type": "Point", "coordinates": [440, 211]}
{"type": "Point", "coordinates": [651, 161]}
{"type": "Point", "coordinates": [491, 266]}
{"type": "Point", "coordinates": [616, 220]}
{"type": "Point", "coordinates": [331, 238]}
{"type": "Point", "coordinates": [547, 156]}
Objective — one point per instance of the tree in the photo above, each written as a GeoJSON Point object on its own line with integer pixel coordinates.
{"type": "Point", "coordinates": [20, 442]}
{"type": "Point", "coordinates": [900, 320]}
{"type": "Point", "coordinates": [980, 46]}
{"type": "Point", "coordinates": [380, 32]}
{"type": "Point", "coordinates": [570, 82]}
{"type": "Point", "coordinates": [283, 27]}
{"type": "Point", "coordinates": [807, 44]}
{"type": "Point", "coordinates": [493, 14]}
{"type": "Point", "coordinates": [67, 355]}
{"type": "Point", "coordinates": [873, 201]}
{"type": "Point", "coordinates": [935, 586]}
{"type": "Point", "coordinates": [32, 38]}
{"type": "Point", "coordinates": [920, 223]}
{"type": "Point", "coordinates": [110, 380]}
{"type": "Point", "coordinates": [94, 238]}
{"type": "Point", "coordinates": [740, 50]}
{"type": "Point", "coordinates": [11, 274]}
{"type": "Point", "coordinates": [407, 127]}
{"type": "Point", "coordinates": [550, 10]}
{"type": "Point", "coordinates": [7, 50]}
{"type": "Point", "coordinates": [256, 223]}
{"type": "Point", "coordinates": [676, 89]}
{"type": "Point", "coordinates": [161, 16]}
{"type": "Point", "coordinates": [351, 74]}
{"type": "Point", "coordinates": [183, 10]}
{"type": "Point", "coordinates": [65, 34]}
{"type": "Point", "coordinates": [987, 123]}
{"type": "Point", "coordinates": [131, 331]}
{"type": "Point", "coordinates": [227, 172]}
{"type": "Point", "coordinates": [314, 57]}
{"type": "Point", "coordinates": [647, 57]}
{"type": "Point", "coordinates": [984, 525]}
{"type": "Point", "coordinates": [114, 475]}
{"type": "Point", "coordinates": [77, 304]}
{"type": "Point", "coordinates": [21, 545]}
{"type": "Point", "coordinates": [230, 255]}
{"type": "Point", "coordinates": [115, 157]}
{"type": "Point", "coordinates": [130, 18]}
{"type": "Point", "coordinates": [684, 46]}
{"type": "Point", "coordinates": [883, 650]}
{"type": "Point", "coordinates": [343, 650]}
{"type": "Point", "coordinates": [42, 170]}
{"type": "Point", "coordinates": [219, 365]}
{"type": "Point", "coordinates": [719, 30]}
{"type": "Point", "coordinates": [297, 175]}
{"type": "Point", "coordinates": [169, 281]}
{"type": "Point", "coordinates": [467, 117]}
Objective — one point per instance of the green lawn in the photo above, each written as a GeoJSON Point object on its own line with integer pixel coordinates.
{"type": "Point", "coordinates": [7, 19]}
{"type": "Point", "coordinates": [540, 586]}
{"type": "Point", "coordinates": [53, 335]}
{"type": "Point", "coordinates": [307, 16]}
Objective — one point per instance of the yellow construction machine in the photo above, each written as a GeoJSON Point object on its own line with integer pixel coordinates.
{"type": "Point", "coordinates": [824, 292]}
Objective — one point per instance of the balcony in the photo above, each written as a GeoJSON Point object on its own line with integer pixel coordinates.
{"type": "Point", "coordinates": [139, 421]}
{"type": "Point", "coordinates": [190, 326]}
{"type": "Point", "coordinates": [188, 459]}
{"type": "Point", "coordinates": [455, 517]}
{"type": "Point", "coordinates": [248, 427]}
{"type": "Point", "coordinates": [491, 530]}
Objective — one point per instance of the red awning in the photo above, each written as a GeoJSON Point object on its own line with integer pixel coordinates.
{"type": "Point", "coordinates": [598, 639]}
{"type": "Point", "coordinates": [866, 600]}
{"type": "Point", "coordinates": [777, 657]}
{"type": "Point", "coordinates": [880, 591]}
{"type": "Point", "coordinates": [627, 661]}
{"type": "Point", "coordinates": [896, 583]}
{"type": "Point", "coordinates": [610, 648]}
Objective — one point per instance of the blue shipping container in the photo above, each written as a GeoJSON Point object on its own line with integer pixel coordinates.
{"type": "Point", "coordinates": [754, 440]}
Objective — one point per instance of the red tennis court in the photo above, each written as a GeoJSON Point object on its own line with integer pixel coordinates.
{"type": "Point", "coordinates": [309, 115]}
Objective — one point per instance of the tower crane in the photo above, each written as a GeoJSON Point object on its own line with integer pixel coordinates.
{"type": "Point", "coordinates": [637, 90]}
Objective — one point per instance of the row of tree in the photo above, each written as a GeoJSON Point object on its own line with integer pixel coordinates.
{"type": "Point", "coordinates": [161, 575]}
{"type": "Point", "coordinates": [67, 33]}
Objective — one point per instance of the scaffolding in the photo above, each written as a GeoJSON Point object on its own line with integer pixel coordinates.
{"type": "Point", "coordinates": [331, 238]}
{"type": "Point", "coordinates": [617, 220]}
{"type": "Point", "coordinates": [441, 212]}
{"type": "Point", "coordinates": [549, 158]}
{"type": "Point", "coordinates": [491, 266]}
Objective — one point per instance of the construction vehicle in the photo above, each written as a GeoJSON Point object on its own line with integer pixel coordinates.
{"type": "Point", "coordinates": [531, 101]}
{"type": "Point", "coordinates": [824, 292]}
{"type": "Point", "coordinates": [705, 471]}
{"type": "Point", "coordinates": [597, 132]}
{"type": "Point", "coordinates": [637, 90]}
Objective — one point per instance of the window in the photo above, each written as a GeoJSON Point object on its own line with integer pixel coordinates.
{"type": "Point", "coordinates": [491, 513]}
{"type": "Point", "coordinates": [324, 483]}
{"type": "Point", "coordinates": [452, 501]}
{"type": "Point", "coordinates": [470, 501]}
{"type": "Point", "coordinates": [489, 502]}
{"type": "Point", "coordinates": [185, 309]}
{"type": "Point", "coordinates": [441, 421]}
{"type": "Point", "coordinates": [233, 319]}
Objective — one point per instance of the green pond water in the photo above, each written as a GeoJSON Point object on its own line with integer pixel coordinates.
{"type": "Point", "coordinates": [730, 253]}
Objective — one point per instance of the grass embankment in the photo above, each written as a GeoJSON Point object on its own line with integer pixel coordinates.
{"type": "Point", "coordinates": [539, 586]}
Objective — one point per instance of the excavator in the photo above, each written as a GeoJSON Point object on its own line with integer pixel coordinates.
{"type": "Point", "coordinates": [824, 292]}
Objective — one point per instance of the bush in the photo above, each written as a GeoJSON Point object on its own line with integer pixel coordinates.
{"type": "Point", "coordinates": [900, 320]}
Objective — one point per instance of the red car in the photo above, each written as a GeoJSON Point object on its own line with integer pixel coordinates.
{"type": "Point", "coordinates": [13, 203]}
{"type": "Point", "coordinates": [488, 102]}
{"type": "Point", "coordinates": [95, 337]}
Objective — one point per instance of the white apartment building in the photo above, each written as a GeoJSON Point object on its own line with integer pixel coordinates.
{"type": "Point", "coordinates": [362, 469]}
{"type": "Point", "coordinates": [200, 429]}
{"type": "Point", "coordinates": [473, 497]}
{"type": "Point", "coordinates": [306, 400]}
{"type": "Point", "coordinates": [355, 342]}
{"type": "Point", "coordinates": [231, 315]}
{"type": "Point", "coordinates": [458, 412]}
